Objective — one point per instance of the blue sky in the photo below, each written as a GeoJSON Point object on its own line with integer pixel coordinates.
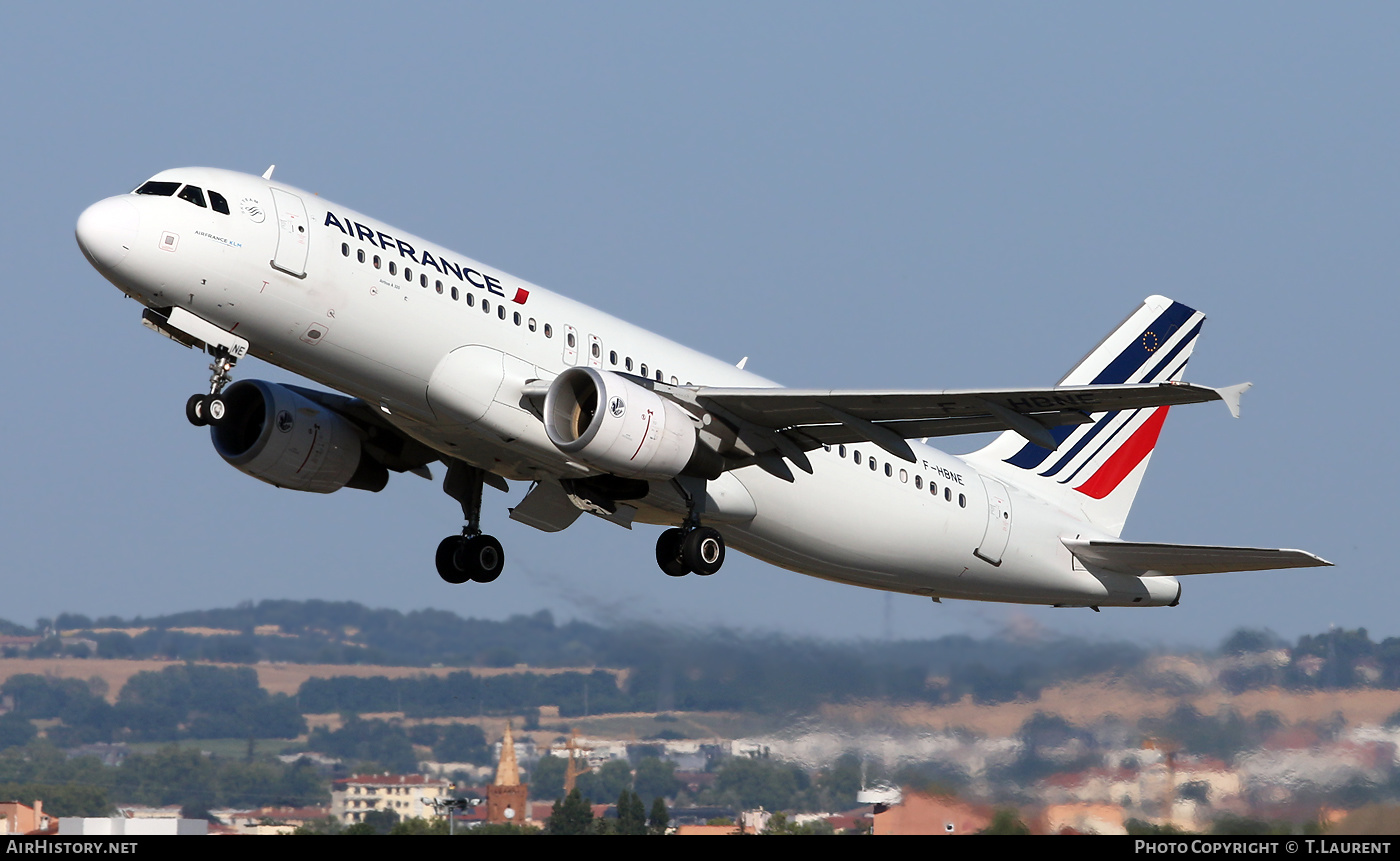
{"type": "Point", "coordinates": [852, 195]}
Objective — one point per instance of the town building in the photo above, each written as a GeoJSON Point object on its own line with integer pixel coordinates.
{"type": "Point", "coordinates": [408, 795]}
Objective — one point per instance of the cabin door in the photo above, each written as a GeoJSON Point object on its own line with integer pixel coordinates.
{"type": "Point", "coordinates": [292, 233]}
{"type": "Point", "coordinates": [998, 521]}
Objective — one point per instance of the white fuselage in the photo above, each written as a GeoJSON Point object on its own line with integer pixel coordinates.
{"type": "Point", "coordinates": [387, 334]}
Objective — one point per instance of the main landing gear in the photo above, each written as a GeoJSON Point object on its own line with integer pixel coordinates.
{"type": "Point", "coordinates": [470, 556]}
{"type": "Point", "coordinates": [697, 550]}
{"type": "Point", "coordinates": [210, 409]}
{"type": "Point", "coordinates": [690, 548]}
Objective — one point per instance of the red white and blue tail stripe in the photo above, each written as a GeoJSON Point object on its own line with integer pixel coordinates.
{"type": "Point", "coordinates": [1098, 467]}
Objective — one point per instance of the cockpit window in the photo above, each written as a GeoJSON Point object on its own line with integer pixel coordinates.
{"type": "Point", "coordinates": [160, 189]}
{"type": "Point", "coordinates": [193, 193]}
{"type": "Point", "coordinates": [218, 201]}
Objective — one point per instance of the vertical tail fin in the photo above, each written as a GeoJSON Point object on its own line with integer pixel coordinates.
{"type": "Point", "coordinates": [1098, 467]}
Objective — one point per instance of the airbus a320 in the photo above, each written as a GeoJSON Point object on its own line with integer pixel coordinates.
{"type": "Point", "coordinates": [435, 357]}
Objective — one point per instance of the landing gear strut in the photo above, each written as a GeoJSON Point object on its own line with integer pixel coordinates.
{"type": "Point", "coordinates": [470, 556]}
{"type": "Point", "coordinates": [691, 548]}
{"type": "Point", "coordinates": [210, 409]}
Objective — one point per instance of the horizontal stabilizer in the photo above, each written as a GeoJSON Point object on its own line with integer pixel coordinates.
{"type": "Point", "coordinates": [1143, 559]}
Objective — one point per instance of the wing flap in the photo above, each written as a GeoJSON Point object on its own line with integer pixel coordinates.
{"type": "Point", "coordinates": [884, 417]}
{"type": "Point", "coordinates": [1145, 559]}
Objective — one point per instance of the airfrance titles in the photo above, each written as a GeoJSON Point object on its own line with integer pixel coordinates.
{"type": "Point", "coordinates": [425, 258]}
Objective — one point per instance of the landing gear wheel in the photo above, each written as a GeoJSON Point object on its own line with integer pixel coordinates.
{"type": "Point", "coordinates": [215, 409]}
{"type": "Point", "coordinates": [702, 551]}
{"type": "Point", "coordinates": [668, 552]}
{"type": "Point", "coordinates": [447, 560]}
{"type": "Point", "coordinates": [194, 411]}
{"type": "Point", "coordinates": [481, 557]}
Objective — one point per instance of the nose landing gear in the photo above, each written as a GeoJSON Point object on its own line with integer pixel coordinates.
{"type": "Point", "coordinates": [211, 409]}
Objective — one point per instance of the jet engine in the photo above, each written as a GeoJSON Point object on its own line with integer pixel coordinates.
{"type": "Point", "coordinates": [617, 426]}
{"type": "Point", "coordinates": [278, 436]}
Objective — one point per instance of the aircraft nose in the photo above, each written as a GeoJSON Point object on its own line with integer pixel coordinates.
{"type": "Point", "coordinates": [107, 230]}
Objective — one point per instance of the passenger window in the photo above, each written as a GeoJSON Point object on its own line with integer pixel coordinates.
{"type": "Point", "coordinates": [344, 250]}
{"type": "Point", "coordinates": [612, 357]}
{"type": "Point", "coordinates": [159, 189]}
{"type": "Point", "coordinates": [841, 450]}
{"type": "Point", "coordinates": [218, 202]}
{"type": "Point", "coordinates": [628, 363]}
{"type": "Point", "coordinates": [918, 482]}
{"type": "Point", "coordinates": [903, 476]}
{"type": "Point", "coordinates": [423, 280]}
{"type": "Point", "coordinates": [486, 306]}
{"type": "Point", "coordinates": [438, 284]}
{"type": "Point", "coordinates": [962, 500]}
{"type": "Point", "coordinates": [572, 340]}
{"type": "Point", "coordinates": [856, 457]}
{"type": "Point", "coordinates": [674, 381]}
{"type": "Point", "coordinates": [658, 375]}
{"type": "Point", "coordinates": [644, 369]}
{"type": "Point", "coordinates": [596, 350]}
{"type": "Point", "coordinates": [501, 311]}
{"type": "Point", "coordinates": [408, 274]}
{"type": "Point", "coordinates": [360, 255]}
{"type": "Point", "coordinates": [532, 324]}
{"type": "Point", "coordinates": [873, 464]}
{"type": "Point", "coordinates": [517, 318]}
{"type": "Point", "coordinates": [393, 268]}
{"type": "Point", "coordinates": [455, 295]}
{"type": "Point", "coordinates": [548, 331]}
{"type": "Point", "coordinates": [194, 194]}
{"type": "Point", "coordinates": [376, 261]}
{"type": "Point", "coordinates": [948, 494]}
{"type": "Point", "coordinates": [471, 297]}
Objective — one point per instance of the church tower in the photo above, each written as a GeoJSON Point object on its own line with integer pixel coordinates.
{"type": "Point", "coordinates": [506, 798]}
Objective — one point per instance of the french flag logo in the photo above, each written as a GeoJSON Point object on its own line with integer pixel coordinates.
{"type": "Point", "coordinates": [521, 294]}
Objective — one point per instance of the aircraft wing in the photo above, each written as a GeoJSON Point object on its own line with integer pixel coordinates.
{"type": "Point", "coordinates": [1144, 559]}
{"type": "Point", "coordinates": [807, 418]}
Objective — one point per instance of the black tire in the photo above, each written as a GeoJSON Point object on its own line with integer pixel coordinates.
{"type": "Point", "coordinates": [668, 553]}
{"type": "Point", "coordinates": [481, 557]}
{"type": "Point", "coordinates": [215, 409]}
{"type": "Point", "coordinates": [702, 551]}
{"type": "Point", "coordinates": [194, 411]}
{"type": "Point", "coordinates": [447, 560]}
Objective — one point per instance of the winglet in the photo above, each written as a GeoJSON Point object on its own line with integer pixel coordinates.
{"type": "Point", "coordinates": [742, 362]}
{"type": "Point", "coordinates": [270, 169]}
{"type": "Point", "coordinates": [1231, 396]}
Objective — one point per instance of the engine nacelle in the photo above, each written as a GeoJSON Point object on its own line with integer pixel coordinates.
{"type": "Point", "coordinates": [275, 435]}
{"type": "Point", "coordinates": [612, 424]}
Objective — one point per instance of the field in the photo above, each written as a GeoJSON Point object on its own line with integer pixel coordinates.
{"type": "Point", "coordinates": [276, 678]}
{"type": "Point", "coordinates": [1079, 703]}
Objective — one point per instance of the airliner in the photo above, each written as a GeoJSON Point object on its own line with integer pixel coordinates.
{"type": "Point", "coordinates": [432, 356]}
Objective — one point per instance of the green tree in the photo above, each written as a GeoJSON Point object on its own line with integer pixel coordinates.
{"type": "Point", "coordinates": [631, 813]}
{"type": "Point", "coordinates": [571, 815]}
{"type": "Point", "coordinates": [462, 743]}
{"type": "Point", "coordinates": [603, 785]}
{"type": "Point", "coordinates": [765, 783]}
{"type": "Point", "coordinates": [419, 825]}
{"type": "Point", "coordinates": [16, 731]}
{"type": "Point", "coordinates": [377, 742]}
{"type": "Point", "coordinates": [660, 818]}
{"type": "Point", "coordinates": [547, 778]}
{"type": "Point", "coordinates": [656, 778]}
{"type": "Point", "coordinates": [1006, 821]}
